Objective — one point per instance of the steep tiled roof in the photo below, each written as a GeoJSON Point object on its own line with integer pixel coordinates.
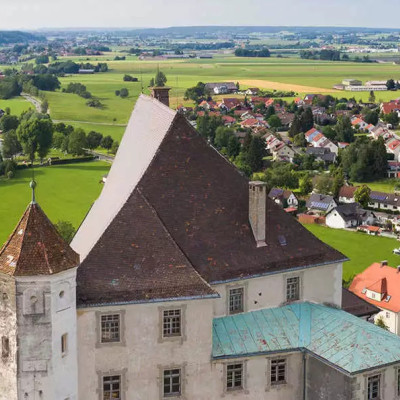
{"type": "Point", "coordinates": [380, 279]}
{"type": "Point", "coordinates": [36, 248]}
{"type": "Point", "coordinates": [347, 191]}
{"type": "Point", "coordinates": [344, 341]}
{"type": "Point", "coordinates": [202, 201]}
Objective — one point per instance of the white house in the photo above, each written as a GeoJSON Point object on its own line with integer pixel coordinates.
{"type": "Point", "coordinates": [192, 284]}
{"type": "Point", "coordinates": [321, 203]}
{"type": "Point", "coordinates": [349, 216]}
{"type": "Point", "coordinates": [285, 198]}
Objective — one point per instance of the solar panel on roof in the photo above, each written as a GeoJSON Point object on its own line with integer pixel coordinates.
{"type": "Point", "coordinates": [378, 196]}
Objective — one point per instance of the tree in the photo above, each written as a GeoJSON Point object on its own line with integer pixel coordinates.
{"type": "Point", "coordinates": [392, 118]}
{"type": "Point", "coordinates": [338, 182]}
{"type": "Point", "coordinates": [58, 139]}
{"type": "Point", "coordinates": [124, 92]}
{"type": "Point", "coordinates": [295, 128]}
{"type": "Point", "coordinates": [371, 117]}
{"type": "Point", "coordinates": [117, 92]}
{"type": "Point", "coordinates": [93, 139]}
{"type": "Point", "coordinates": [270, 111]}
{"type": "Point", "coordinates": [107, 142]}
{"type": "Point", "coordinates": [305, 185]}
{"type": "Point", "coordinates": [77, 142]}
{"type": "Point", "coordinates": [390, 84]}
{"type": "Point", "coordinates": [44, 106]}
{"type": "Point", "coordinates": [381, 323]}
{"type": "Point", "coordinates": [47, 82]}
{"type": "Point", "coordinates": [8, 122]}
{"type": "Point", "coordinates": [160, 79]}
{"type": "Point", "coordinates": [256, 153]}
{"type": "Point", "coordinates": [307, 120]}
{"type": "Point", "coordinates": [114, 147]}
{"type": "Point", "coordinates": [11, 146]}
{"type": "Point", "coordinates": [362, 195]}
{"type": "Point", "coordinates": [151, 83]}
{"type": "Point", "coordinates": [371, 98]}
{"type": "Point", "coordinates": [35, 136]}
{"type": "Point", "coordinates": [222, 135]}
{"type": "Point", "coordinates": [300, 140]}
{"type": "Point", "coordinates": [66, 230]}
{"type": "Point", "coordinates": [324, 184]}
{"type": "Point", "coordinates": [195, 93]}
{"type": "Point", "coordinates": [274, 121]}
{"type": "Point", "coordinates": [344, 130]}
{"type": "Point", "coordinates": [233, 148]}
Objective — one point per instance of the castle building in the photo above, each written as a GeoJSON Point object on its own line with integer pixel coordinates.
{"type": "Point", "coordinates": [192, 285]}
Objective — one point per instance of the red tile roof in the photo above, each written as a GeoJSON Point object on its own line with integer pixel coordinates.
{"type": "Point", "coordinates": [310, 132]}
{"type": "Point", "coordinates": [347, 191]}
{"type": "Point", "coordinates": [36, 248]}
{"type": "Point", "coordinates": [394, 144]}
{"type": "Point", "coordinates": [379, 279]}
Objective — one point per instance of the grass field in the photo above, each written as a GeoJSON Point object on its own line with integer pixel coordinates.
{"type": "Point", "coordinates": [362, 249]}
{"type": "Point", "coordinates": [65, 192]}
{"type": "Point", "coordinates": [269, 73]}
{"type": "Point", "coordinates": [385, 185]}
{"type": "Point", "coordinates": [17, 105]}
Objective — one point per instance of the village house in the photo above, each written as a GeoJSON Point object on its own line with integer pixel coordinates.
{"type": "Point", "coordinates": [252, 91]}
{"type": "Point", "coordinates": [228, 104]}
{"type": "Point", "coordinates": [184, 281]}
{"type": "Point", "coordinates": [391, 106]}
{"type": "Point", "coordinates": [220, 87]}
{"type": "Point", "coordinates": [378, 285]}
{"type": "Point", "coordinates": [320, 203]}
{"type": "Point", "coordinates": [284, 198]}
{"type": "Point", "coordinates": [317, 139]}
{"type": "Point", "coordinates": [349, 216]}
{"type": "Point", "coordinates": [323, 154]}
{"type": "Point", "coordinates": [346, 194]}
{"type": "Point", "coordinates": [357, 306]}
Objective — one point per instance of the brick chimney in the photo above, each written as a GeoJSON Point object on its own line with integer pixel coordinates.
{"type": "Point", "coordinates": [258, 211]}
{"type": "Point", "coordinates": [161, 93]}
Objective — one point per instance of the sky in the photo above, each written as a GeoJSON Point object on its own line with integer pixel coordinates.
{"type": "Point", "coordinates": [35, 14]}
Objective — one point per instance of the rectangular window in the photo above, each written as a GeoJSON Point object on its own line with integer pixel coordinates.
{"type": "Point", "coordinates": [172, 323]}
{"type": "Point", "coordinates": [172, 382]}
{"type": "Point", "coordinates": [398, 382]}
{"type": "Point", "coordinates": [5, 347]}
{"type": "Point", "coordinates": [64, 344]}
{"type": "Point", "coordinates": [236, 303]}
{"type": "Point", "coordinates": [387, 314]}
{"type": "Point", "coordinates": [293, 289]}
{"type": "Point", "coordinates": [374, 383]}
{"type": "Point", "coordinates": [234, 376]}
{"type": "Point", "coordinates": [112, 387]}
{"type": "Point", "coordinates": [278, 371]}
{"type": "Point", "coordinates": [110, 328]}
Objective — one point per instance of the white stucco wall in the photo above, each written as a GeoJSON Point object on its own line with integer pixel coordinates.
{"type": "Point", "coordinates": [391, 320]}
{"type": "Point", "coordinates": [334, 220]}
{"type": "Point", "coordinates": [8, 329]}
{"type": "Point", "coordinates": [318, 284]}
{"type": "Point", "coordinates": [142, 355]}
{"type": "Point", "coordinates": [44, 373]}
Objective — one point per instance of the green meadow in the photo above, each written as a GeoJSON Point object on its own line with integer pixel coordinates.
{"type": "Point", "coordinates": [65, 192]}
{"type": "Point", "coordinates": [17, 105]}
{"type": "Point", "coordinates": [302, 76]}
{"type": "Point", "coordinates": [360, 248]}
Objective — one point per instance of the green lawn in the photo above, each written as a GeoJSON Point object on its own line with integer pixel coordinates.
{"type": "Point", "coordinates": [384, 185]}
{"type": "Point", "coordinates": [362, 249]}
{"type": "Point", "coordinates": [65, 192]}
{"type": "Point", "coordinates": [17, 105]}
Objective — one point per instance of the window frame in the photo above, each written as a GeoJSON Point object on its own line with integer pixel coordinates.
{"type": "Point", "coordinates": [179, 338]}
{"type": "Point", "coordinates": [379, 380]}
{"type": "Point", "coordinates": [298, 290]}
{"type": "Point", "coordinates": [234, 388]}
{"type": "Point", "coordinates": [121, 341]}
{"type": "Point", "coordinates": [229, 289]}
{"type": "Point", "coordinates": [111, 390]}
{"type": "Point", "coordinates": [275, 363]}
{"type": "Point", "coordinates": [109, 329]}
{"type": "Point", "coordinates": [170, 319]}
{"type": "Point", "coordinates": [64, 344]}
{"type": "Point", "coordinates": [5, 347]}
{"type": "Point", "coordinates": [171, 384]}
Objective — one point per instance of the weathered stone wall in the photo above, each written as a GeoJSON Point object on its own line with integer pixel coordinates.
{"type": "Point", "coordinates": [325, 382]}
{"type": "Point", "coordinates": [8, 331]}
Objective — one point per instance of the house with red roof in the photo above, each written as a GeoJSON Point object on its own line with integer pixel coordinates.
{"type": "Point", "coordinates": [230, 103]}
{"type": "Point", "coordinates": [228, 120]}
{"type": "Point", "coordinates": [379, 285]}
{"type": "Point", "coordinates": [391, 106]}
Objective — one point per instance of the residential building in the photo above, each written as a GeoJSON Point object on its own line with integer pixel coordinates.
{"type": "Point", "coordinates": [323, 154]}
{"type": "Point", "coordinates": [285, 198]}
{"type": "Point", "coordinates": [220, 87]}
{"type": "Point", "coordinates": [321, 203]}
{"type": "Point", "coordinates": [357, 306]}
{"type": "Point", "coordinates": [349, 216]}
{"type": "Point", "coordinates": [192, 284]}
{"type": "Point", "coordinates": [346, 194]}
{"type": "Point", "coordinates": [378, 285]}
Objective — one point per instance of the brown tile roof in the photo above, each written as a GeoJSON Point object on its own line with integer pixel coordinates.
{"type": "Point", "coordinates": [347, 191]}
{"type": "Point", "coordinates": [201, 200]}
{"type": "Point", "coordinates": [36, 248]}
{"type": "Point", "coordinates": [357, 306]}
{"type": "Point", "coordinates": [136, 260]}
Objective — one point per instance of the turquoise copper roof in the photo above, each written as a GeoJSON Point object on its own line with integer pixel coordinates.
{"type": "Point", "coordinates": [341, 339]}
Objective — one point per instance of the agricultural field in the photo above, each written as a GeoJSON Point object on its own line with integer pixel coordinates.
{"type": "Point", "coordinates": [360, 248]}
{"type": "Point", "coordinates": [65, 192]}
{"type": "Point", "coordinates": [302, 76]}
{"type": "Point", "coordinates": [17, 105]}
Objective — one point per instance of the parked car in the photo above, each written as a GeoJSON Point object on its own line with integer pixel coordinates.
{"type": "Point", "coordinates": [397, 251]}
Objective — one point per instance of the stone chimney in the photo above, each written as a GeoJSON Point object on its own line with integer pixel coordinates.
{"type": "Point", "coordinates": [258, 211]}
{"type": "Point", "coordinates": [161, 93]}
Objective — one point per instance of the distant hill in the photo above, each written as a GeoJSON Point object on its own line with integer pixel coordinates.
{"type": "Point", "coordinates": [11, 37]}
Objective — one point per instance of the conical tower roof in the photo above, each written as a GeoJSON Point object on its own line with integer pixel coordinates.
{"type": "Point", "coordinates": [35, 247]}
